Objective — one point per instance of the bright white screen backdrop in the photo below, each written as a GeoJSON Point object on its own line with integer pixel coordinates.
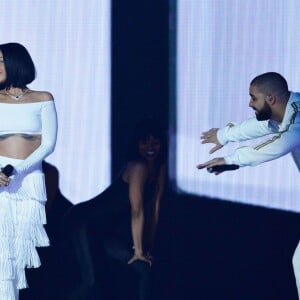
{"type": "Point", "coordinates": [69, 41]}
{"type": "Point", "coordinates": [221, 46]}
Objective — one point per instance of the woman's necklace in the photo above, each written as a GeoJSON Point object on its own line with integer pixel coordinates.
{"type": "Point", "coordinates": [16, 97]}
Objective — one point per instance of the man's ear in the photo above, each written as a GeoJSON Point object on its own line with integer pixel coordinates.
{"type": "Point", "coordinates": [271, 99]}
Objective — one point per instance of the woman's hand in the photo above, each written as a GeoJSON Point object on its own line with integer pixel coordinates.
{"type": "Point", "coordinates": [4, 180]}
{"type": "Point", "coordinates": [149, 256]}
{"type": "Point", "coordinates": [135, 257]}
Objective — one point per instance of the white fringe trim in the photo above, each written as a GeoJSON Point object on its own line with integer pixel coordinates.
{"type": "Point", "coordinates": [22, 216]}
{"type": "Point", "coordinates": [21, 279]}
{"type": "Point", "coordinates": [6, 247]}
{"type": "Point", "coordinates": [7, 291]}
{"type": "Point", "coordinates": [6, 269]}
{"type": "Point", "coordinates": [26, 255]}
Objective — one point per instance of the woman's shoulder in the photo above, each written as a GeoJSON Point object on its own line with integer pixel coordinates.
{"type": "Point", "coordinates": [136, 167]}
{"type": "Point", "coordinates": [39, 96]}
{"type": "Point", "coordinates": [137, 163]}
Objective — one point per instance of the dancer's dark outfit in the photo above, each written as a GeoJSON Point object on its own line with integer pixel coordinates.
{"type": "Point", "coordinates": [109, 217]}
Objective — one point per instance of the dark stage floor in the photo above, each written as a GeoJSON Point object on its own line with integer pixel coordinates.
{"type": "Point", "coordinates": [206, 249]}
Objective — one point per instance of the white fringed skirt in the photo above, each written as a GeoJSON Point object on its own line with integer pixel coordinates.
{"type": "Point", "coordinates": [22, 216]}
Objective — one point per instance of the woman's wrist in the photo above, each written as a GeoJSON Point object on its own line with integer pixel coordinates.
{"type": "Point", "coordinates": [137, 252]}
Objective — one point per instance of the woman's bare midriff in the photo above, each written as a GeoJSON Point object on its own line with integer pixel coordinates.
{"type": "Point", "coordinates": [19, 146]}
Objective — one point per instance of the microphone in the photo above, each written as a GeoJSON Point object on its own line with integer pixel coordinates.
{"type": "Point", "coordinates": [7, 170]}
{"type": "Point", "coordinates": [222, 168]}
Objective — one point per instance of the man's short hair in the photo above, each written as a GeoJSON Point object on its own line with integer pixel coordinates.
{"type": "Point", "coordinates": [271, 82]}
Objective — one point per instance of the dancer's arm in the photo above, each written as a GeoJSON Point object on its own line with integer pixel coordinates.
{"type": "Point", "coordinates": [137, 180]}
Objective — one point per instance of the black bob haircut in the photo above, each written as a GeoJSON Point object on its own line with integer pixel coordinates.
{"type": "Point", "coordinates": [20, 69]}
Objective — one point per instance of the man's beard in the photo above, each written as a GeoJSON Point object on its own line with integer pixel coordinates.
{"type": "Point", "coordinates": [264, 114]}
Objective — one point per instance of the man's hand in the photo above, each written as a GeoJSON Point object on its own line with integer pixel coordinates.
{"type": "Point", "coordinates": [210, 136]}
{"type": "Point", "coordinates": [219, 161]}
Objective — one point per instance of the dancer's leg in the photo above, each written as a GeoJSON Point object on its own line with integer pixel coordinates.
{"type": "Point", "coordinates": [122, 253]}
{"type": "Point", "coordinates": [296, 267]}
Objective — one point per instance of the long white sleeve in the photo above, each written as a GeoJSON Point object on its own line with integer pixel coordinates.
{"type": "Point", "coordinates": [48, 139]}
{"type": "Point", "coordinates": [279, 145]}
{"type": "Point", "coordinates": [247, 130]}
{"type": "Point", "coordinates": [284, 141]}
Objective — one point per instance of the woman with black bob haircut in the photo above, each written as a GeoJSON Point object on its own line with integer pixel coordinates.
{"type": "Point", "coordinates": [123, 219]}
{"type": "Point", "coordinates": [28, 131]}
{"type": "Point", "coordinates": [20, 69]}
